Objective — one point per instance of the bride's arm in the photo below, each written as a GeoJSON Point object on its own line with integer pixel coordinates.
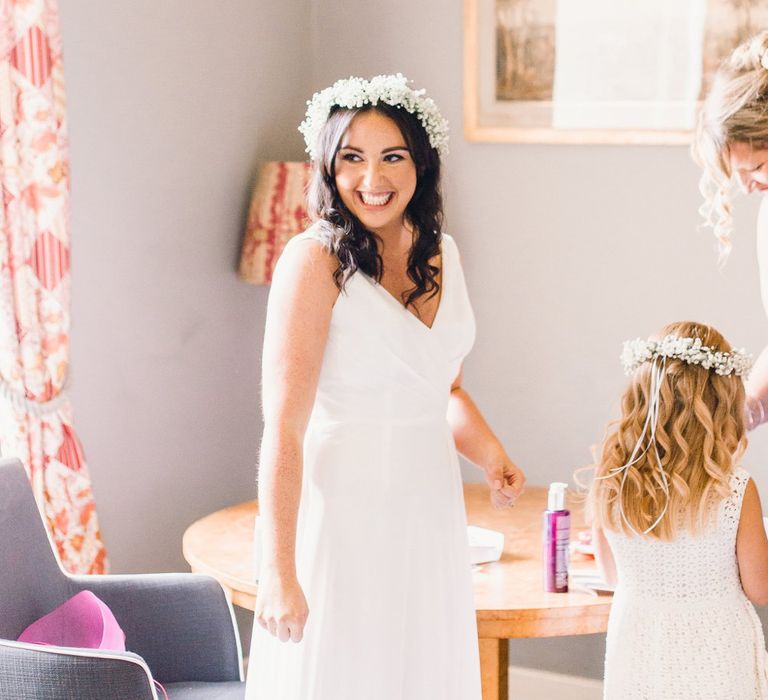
{"type": "Point", "coordinates": [477, 442]}
{"type": "Point", "coordinates": [299, 310]}
{"type": "Point", "coordinates": [757, 385]}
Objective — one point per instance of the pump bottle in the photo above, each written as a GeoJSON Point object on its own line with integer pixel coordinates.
{"type": "Point", "coordinates": [556, 536]}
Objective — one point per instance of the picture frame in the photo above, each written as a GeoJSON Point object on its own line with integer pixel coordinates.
{"type": "Point", "coordinates": [595, 71]}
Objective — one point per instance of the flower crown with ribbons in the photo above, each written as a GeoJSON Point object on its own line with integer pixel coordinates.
{"type": "Point", "coordinates": [689, 350]}
{"type": "Point", "coordinates": [353, 93]}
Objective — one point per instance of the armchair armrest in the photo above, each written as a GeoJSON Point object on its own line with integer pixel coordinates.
{"type": "Point", "coordinates": [33, 672]}
{"type": "Point", "coordinates": [182, 625]}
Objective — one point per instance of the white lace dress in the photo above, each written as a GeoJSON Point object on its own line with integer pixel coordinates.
{"type": "Point", "coordinates": [681, 627]}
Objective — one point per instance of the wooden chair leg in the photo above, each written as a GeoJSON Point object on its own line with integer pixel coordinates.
{"type": "Point", "coordinates": [494, 662]}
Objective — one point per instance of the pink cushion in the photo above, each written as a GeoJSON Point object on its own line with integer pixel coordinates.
{"type": "Point", "coordinates": [83, 621]}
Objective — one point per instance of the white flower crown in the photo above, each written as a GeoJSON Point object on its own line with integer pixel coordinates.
{"type": "Point", "coordinates": [690, 350]}
{"type": "Point", "coordinates": [353, 93]}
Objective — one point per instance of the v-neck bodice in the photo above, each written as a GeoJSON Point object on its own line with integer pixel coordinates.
{"type": "Point", "coordinates": [381, 362]}
{"type": "Point", "coordinates": [393, 299]}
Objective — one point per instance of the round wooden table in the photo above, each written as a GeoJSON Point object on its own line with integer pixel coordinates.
{"type": "Point", "coordinates": [509, 597]}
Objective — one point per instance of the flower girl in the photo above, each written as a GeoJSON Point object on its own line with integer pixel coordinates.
{"type": "Point", "coordinates": [678, 526]}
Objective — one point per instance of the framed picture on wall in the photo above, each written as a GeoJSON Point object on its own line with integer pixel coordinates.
{"type": "Point", "coordinates": [595, 71]}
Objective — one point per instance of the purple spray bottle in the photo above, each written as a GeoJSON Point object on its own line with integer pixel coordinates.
{"type": "Point", "coordinates": [557, 533]}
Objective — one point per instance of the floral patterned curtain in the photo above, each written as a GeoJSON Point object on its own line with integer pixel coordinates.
{"type": "Point", "coordinates": [35, 414]}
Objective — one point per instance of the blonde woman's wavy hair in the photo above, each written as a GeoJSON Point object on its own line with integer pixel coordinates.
{"type": "Point", "coordinates": [734, 111]}
{"type": "Point", "coordinates": [700, 436]}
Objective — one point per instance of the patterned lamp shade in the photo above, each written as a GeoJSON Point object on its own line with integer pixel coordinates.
{"type": "Point", "coordinates": [278, 212]}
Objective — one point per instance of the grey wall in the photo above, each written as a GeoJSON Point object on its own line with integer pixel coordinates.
{"type": "Point", "coordinates": [568, 250]}
{"type": "Point", "coordinates": [171, 106]}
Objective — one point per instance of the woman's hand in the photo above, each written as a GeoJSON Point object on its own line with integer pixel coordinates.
{"type": "Point", "coordinates": [281, 607]}
{"type": "Point", "coordinates": [505, 479]}
{"type": "Point", "coordinates": [754, 412]}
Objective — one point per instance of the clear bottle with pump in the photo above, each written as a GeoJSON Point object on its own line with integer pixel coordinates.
{"type": "Point", "coordinates": [556, 536]}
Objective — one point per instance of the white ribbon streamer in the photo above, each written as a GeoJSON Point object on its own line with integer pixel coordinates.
{"type": "Point", "coordinates": [649, 427]}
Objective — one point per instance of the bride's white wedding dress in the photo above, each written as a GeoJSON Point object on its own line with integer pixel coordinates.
{"type": "Point", "coordinates": [382, 551]}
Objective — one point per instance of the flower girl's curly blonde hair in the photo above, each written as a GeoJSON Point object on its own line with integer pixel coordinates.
{"type": "Point", "coordinates": [734, 111]}
{"type": "Point", "coordinates": [700, 436]}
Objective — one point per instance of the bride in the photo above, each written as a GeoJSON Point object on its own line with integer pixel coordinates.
{"type": "Point", "coordinates": [365, 564]}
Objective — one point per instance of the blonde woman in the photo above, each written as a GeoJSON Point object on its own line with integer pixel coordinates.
{"type": "Point", "coordinates": [678, 526]}
{"type": "Point", "coordinates": [732, 144]}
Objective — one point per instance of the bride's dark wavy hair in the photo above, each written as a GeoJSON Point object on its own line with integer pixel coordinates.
{"type": "Point", "coordinates": [353, 244]}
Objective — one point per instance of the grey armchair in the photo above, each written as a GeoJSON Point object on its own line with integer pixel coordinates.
{"type": "Point", "coordinates": [179, 627]}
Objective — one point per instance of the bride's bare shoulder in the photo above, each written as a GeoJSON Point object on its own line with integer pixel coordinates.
{"type": "Point", "coordinates": [309, 253]}
{"type": "Point", "coordinates": [307, 261]}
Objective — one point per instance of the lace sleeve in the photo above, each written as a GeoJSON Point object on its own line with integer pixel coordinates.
{"type": "Point", "coordinates": [731, 509]}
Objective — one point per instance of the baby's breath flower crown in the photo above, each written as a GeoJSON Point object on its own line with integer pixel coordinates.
{"type": "Point", "coordinates": [353, 93]}
{"type": "Point", "coordinates": [689, 350]}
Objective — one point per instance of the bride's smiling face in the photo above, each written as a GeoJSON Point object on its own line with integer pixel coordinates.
{"type": "Point", "coordinates": [375, 172]}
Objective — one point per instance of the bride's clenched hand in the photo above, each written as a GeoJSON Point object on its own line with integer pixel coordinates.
{"type": "Point", "coordinates": [506, 481]}
{"type": "Point", "coordinates": [281, 607]}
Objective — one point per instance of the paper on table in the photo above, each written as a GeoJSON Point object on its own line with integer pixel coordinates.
{"type": "Point", "coordinates": [484, 545]}
{"type": "Point", "coordinates": [588, 581]}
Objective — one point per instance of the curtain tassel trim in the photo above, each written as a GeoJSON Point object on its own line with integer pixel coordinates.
{"type": "Point", "coordinates": [36, 408]}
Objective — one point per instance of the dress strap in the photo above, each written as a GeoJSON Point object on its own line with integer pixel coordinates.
{"type": "Point", "coordinates": [731, 508]}
{"type": "Point", "coordinates": [319, 230]}
{"type": "Point", "coordinates": [448, 246]}
{"type": "Point", "coordinates": [451, 260]}
{"type": "Point", "coordinates": [739, 480]}
{"type": "Point", "coordinates": [314, 231]}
